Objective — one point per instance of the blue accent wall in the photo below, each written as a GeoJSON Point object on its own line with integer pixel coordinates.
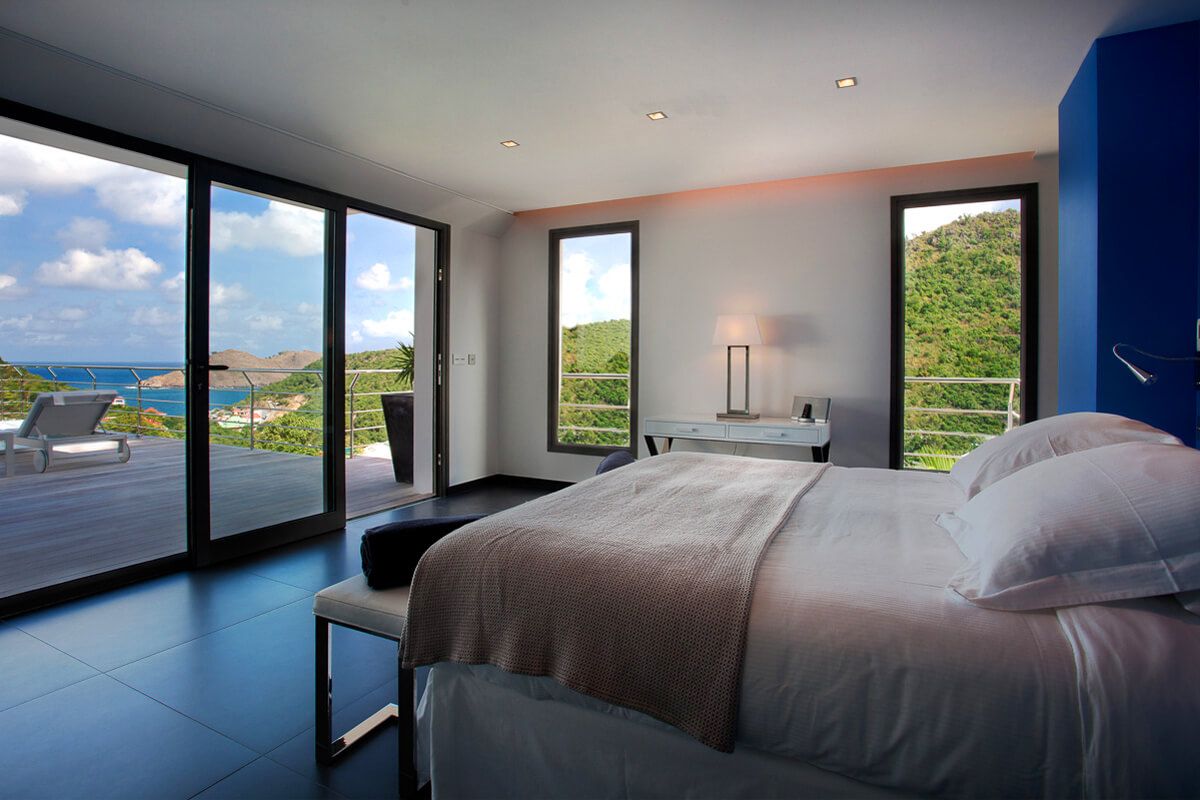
{"type": "Point", "coordinates": [1129, 216]}
{"type": "Point", "coordinates": [1078, 240]}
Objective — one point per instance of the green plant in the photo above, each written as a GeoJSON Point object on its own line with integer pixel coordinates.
{"type": "Point", "coordinates": [931, 459]}
{"type": "Point", "coordinates": [404, 360]}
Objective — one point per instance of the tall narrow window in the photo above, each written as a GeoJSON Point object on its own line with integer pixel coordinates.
{"type": "Point", "coordinates": [964, 315]}
{"type": "Point", "coordinates": [593, 338]}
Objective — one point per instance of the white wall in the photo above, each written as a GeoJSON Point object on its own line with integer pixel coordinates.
{"type": "Point", "coordinates": [474, 329]}
{"type": "Point", "coordinates": [810, 256]}
{"type": "Point", "coordinates": [57, 83]}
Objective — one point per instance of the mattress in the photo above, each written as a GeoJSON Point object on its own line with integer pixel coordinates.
{"type": "Point", "coordinates": [861, 664]}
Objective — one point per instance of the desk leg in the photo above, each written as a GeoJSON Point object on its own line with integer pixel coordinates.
{"type": "Point", "coordinates": [650, 445]}
{"type": "Point", "coordinates": [821, 454]}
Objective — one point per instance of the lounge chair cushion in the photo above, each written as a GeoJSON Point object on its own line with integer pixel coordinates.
{"type": "Point", "coordinates": [352, 602]}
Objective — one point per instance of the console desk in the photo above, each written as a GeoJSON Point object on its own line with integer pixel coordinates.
{"type": "Point", "coordinates": [766, 430]}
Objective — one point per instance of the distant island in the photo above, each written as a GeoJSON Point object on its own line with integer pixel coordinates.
{"type": "Point", "coordinates": [237, 360]}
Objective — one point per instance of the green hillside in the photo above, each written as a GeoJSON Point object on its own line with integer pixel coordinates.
{"type": "Point", "coordinates": [299, 431]}
{"type": "Point", "coordinates": [595, 348]}
{"type": "Point", "coordinates": [962, 319]}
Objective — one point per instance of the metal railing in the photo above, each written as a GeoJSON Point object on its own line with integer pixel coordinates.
{"type": "Point", "coordinates": [594, 376]}
{"type": "Point", "coordinates": [259, 407]}
{"type": "Point", "coordinates": [1011, 413]}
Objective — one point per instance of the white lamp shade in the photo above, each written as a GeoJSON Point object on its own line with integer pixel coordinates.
{"type": "Point", "coordinates": [737, 329]}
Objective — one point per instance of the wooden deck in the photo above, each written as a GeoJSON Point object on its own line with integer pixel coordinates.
{"type": "Point", "coordinates": [91, 514]}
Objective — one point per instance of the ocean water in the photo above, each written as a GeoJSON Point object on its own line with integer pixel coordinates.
{"type": "Point", "coordinates": [167, 400]}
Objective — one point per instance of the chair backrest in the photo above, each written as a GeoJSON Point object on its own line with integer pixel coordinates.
{"type": "Point", "coordinates": [66, 414]}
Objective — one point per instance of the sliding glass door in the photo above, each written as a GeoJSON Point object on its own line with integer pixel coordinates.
{"type": "Point", "coordinates": [266, 372]}
{"type": "Point", "coordinates": [198, 312]}
{"type": "Point", "coordinates": [92, 424]}
{"type": "Point", "coordinates": [263, 304]}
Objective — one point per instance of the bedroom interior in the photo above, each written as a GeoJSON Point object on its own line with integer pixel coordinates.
{"type": "Point", "coordinates": [553, 400]}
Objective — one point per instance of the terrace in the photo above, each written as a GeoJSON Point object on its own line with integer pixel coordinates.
{"type": "Point", "coordinates": [90, 514]}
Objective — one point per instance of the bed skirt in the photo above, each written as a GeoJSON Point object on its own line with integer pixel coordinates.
{"type": "Point", "coordinates": [474, 731]}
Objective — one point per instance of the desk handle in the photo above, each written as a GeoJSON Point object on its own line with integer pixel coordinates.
{"type": "Point", "coordinates": [681, 429]}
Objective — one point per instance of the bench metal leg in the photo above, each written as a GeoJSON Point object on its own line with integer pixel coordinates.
{"type": "Point", "coordinates": [329, 748]}
{"type": "Point", "coordinates": [407, 755]}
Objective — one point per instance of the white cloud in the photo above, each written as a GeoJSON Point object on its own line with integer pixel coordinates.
{"type": "Point", "coordinates": [73, 314]}
{"type": "Point", "coordinates": [88, 233]}
{"type": "Point", "coordinates": [154, 316]}
{"type": "Point", "coordinates": [12, 202]}
{"type": "Point", "coordinates": [292, 229]}
{"type": "Point", "coordinates": [128, 269]}
{"type": "Point", "coordinates": [588, 295]}
{"type": "Point", "coordinates": [927, 218]}
{"type": "Point", "coordinates": [149, 198]}
{"type": "Point", "coordinates": [10, 288]}
{"type": "Point", "coordinates": [308, 308]}
{"type": "Point", "coordinates": [264, 322]}
{"type": "Point", "coordinates": [378, 278]}
{"type": "Point", "coordinates": [356, 336]}
{"type": "Point", "coordinates": [175, 284]}
{"type": "Point", "coordinates": [220, 293]}
{"type": "Point", "coordinates": [15, 323]}
{"type": "Point", "coordinates": [132, 193]}
{"type": "Point", "coordinates": [396, 325]}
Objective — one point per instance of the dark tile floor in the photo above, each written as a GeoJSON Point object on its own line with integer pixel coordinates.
{"type": "Point", "coordinates": [200, 684]}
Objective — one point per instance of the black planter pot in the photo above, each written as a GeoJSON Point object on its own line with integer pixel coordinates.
{"type": "Point", "coordinates": [398, 417]}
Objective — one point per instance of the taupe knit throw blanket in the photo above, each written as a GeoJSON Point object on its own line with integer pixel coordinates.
{"type": "Point", "coordinates": [633, 587]}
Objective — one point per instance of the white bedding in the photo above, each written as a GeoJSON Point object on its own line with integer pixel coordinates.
{"type": "Point", "coordinates": [861, 663]}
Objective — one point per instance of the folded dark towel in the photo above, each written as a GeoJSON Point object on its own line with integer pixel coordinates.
{"type": "Point", "coordinates": [390, 552]}
{"type": "Point", "coordinates": [619, 458]}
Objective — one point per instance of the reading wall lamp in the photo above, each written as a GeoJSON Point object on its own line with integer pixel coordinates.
{"type": "Point", "coordinates": [1145, 377]}
{"type": "Point", "coordinates": [736, 330]}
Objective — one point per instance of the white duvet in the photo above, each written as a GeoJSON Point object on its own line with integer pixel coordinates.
{"type": "Point", "coordinates": [860, 662]}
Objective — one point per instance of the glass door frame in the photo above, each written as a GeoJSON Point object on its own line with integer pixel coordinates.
{"type": "Point", "coordinates": [1027, 193]}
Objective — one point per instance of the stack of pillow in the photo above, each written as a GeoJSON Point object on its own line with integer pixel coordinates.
{"type": "Point", "coordinates": [1078, 508]}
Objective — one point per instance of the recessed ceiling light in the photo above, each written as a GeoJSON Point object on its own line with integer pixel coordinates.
{"type": "Point", "coordinates": [846, 83]}
{"type": "Point", "coordinates": [657, 115]}
{"type": "Point", "coordinates": [510, 143]}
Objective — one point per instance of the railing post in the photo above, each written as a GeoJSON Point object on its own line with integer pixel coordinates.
{"type": "Point", "coordinates": [1012, 392]}
{"type": "Point", "coordinates": [91, 375]}
{"type": "Point", "coordinates": [251, 382]}
{"type": "Point", "coordinates": [353, 381]}
{"type": "Point", "coordinates": [137, 379]}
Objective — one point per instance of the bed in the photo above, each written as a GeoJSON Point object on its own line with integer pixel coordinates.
{"type": "Point", "coordinates": [863, 676]}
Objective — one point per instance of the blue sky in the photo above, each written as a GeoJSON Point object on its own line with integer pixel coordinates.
{"type": "Point", "coordinates": [92, 258]}
{"type": "Point", "coordinates": [594, 282]}
{"type": "Point", "coordinates": [926, 218]}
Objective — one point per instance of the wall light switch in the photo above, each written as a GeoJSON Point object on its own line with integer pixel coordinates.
{"type": "Point", "coordinates": [459, 360]}
{"type": "Point", "coordinates": [471, 358]}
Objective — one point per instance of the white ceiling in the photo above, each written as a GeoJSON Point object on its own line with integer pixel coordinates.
{"type": "Point", "coordinates": [431, 88]}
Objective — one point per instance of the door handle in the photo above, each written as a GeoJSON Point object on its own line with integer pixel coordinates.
{"type": "Point", "coordinates": [217, 367]}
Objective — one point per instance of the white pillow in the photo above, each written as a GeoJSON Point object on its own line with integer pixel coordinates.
{"type": "Point", "coordinates": [1109, 523]}
{"type": "Point", "coordinates": [1045, 438]}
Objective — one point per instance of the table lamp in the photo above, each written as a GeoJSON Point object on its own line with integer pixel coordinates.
{"type": "Point", "coordinates": [736, 330]}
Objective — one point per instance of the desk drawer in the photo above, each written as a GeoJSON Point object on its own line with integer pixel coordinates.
{"type": "Point", "coordinates": [683, 430]}
{"type": "Point", "coordinates": [765, 433]}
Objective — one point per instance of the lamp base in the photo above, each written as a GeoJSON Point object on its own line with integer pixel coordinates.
{"type": "Point", "coordinates": [736, 415]}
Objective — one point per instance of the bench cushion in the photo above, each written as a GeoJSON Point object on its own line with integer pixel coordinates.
{"type": "Point", "coordinates": [352, 602]}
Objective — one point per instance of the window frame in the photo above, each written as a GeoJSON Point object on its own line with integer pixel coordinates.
{"type": "Point", "coordinates": [554, 339]}
{"type": "Point", "coordinates": [1027, 193]}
